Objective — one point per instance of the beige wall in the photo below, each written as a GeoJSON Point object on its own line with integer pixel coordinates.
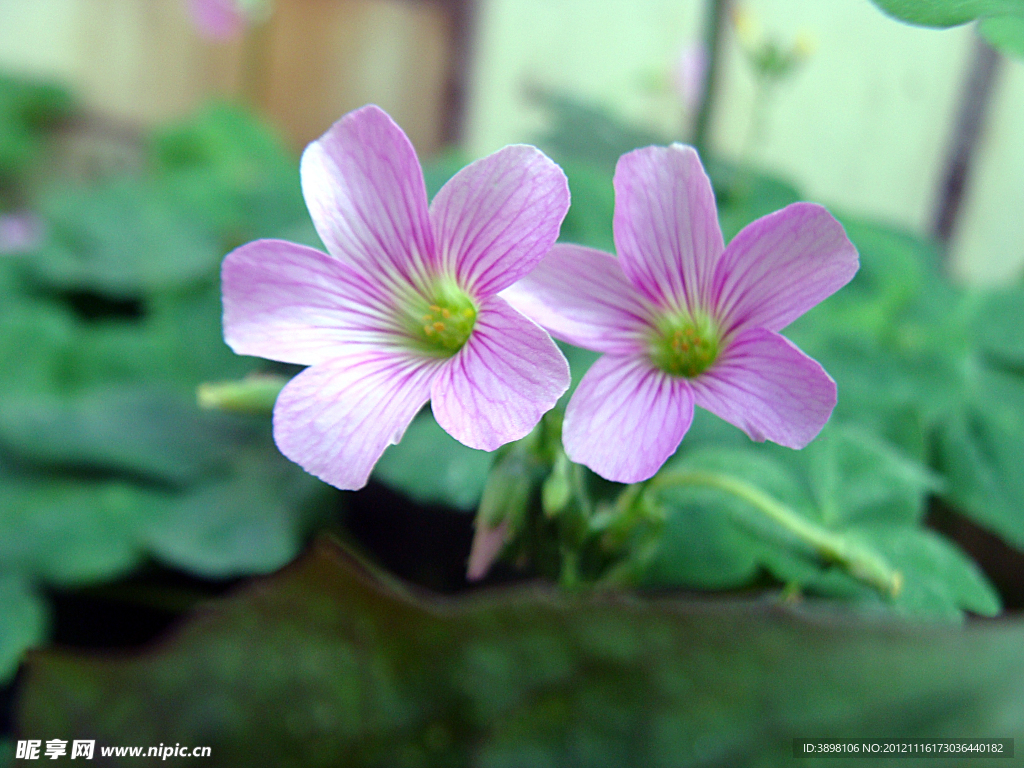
{"type": "Point", "coordinates": [863, 125]}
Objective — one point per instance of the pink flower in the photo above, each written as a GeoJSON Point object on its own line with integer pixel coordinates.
{"type": "Point", "coordinates": [683, 320]}
{"type": "Point", "coordinates": [219, 20]}
{"type": "Point", "coordinates": [688, 75]}
{"type": "Point", "coordinates": [404, 307]}
{"type": "Point", "coordinates": [20, 232]}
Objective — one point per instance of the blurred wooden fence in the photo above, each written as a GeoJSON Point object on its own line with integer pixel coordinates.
{"type": "Point", "coordinates": [142, 61]}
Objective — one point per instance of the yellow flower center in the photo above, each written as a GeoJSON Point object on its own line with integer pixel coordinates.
{"type": "Point", "coordinates": [684, 345]}
{"type": "Point", "coordinates": [441, 323]}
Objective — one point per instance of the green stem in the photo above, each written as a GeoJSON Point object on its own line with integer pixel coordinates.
{"type": "Point", "coordinates": [858, 561]}
{"type": "Point", "coordinates": [569, 578]}
{"type": "Point", "coordinates": [254, 395]}
{"type": "Point", "coordinates": [714, 26]}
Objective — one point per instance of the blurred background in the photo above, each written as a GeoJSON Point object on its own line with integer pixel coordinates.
{"type": "Point", "coordinates": [141, 140]}
{"type": "Point", "coordinates": [865, 122]}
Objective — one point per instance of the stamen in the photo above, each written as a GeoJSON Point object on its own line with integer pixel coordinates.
{"type": "Point", "coordinates": [684, 345]}
{"type": "Point", "coordinates": [447, 320]}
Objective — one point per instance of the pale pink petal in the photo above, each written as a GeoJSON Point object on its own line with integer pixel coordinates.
{"type": "Point", "coordinates": [496, 388]}
{"type": "Point", "coordinates": [335, 419]}
{"type": "Point", "coordinates": [217, 19]}
{"type": "Point", "coordinates": [291, 303]}
{"type": "Point", "coordinates": [581, 296]}
{"type": "Point", "coordinates": [364, 189]}
{"type": "Point", "coordinates": [666, 225]}
{"type": "Point", "coordinates": [780, 266]}
{"type": "Point", "coordinates": [488, 541]}
{"type": "Point", "coordinates": [20, 232]}
{"type": "Point", "coordinates": [768, 388]}
{"type": "Point", "coordinates": [497, 217]}
{"type": "Point", "coordinates": [688, 75]}
{"type": "Point", "coordinates": [626, 418]}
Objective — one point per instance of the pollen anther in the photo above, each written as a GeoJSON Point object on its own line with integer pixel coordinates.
{"type": "Point", "coordinates": [684, 345]}
{"type": "Point", "coordinates": [448, 319]}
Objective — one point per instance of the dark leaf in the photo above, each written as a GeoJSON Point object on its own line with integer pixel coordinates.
{"type": "Point", "coordinates": [326, 665]}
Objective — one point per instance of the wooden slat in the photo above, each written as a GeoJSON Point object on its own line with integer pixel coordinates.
{"type": "Point", "coordinates": [141, 61]}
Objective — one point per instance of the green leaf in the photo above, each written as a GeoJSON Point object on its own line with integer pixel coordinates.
{"type": "Point", "coordinates": [27, 110]}
{"type": "Point", "coordinates": [66, 531]}
{"type": "Point", "coordinates": [229, 170]}
{"type": "Point", "coordinates": [980, 451]}
{"type": "Point", "coordinates": [858, 490]}
{"type": "Point", "coordinates": [854, 476]}
{"type": "Point", "coordinates": [938, 370]}
{"type": "Point", "coordinates": [703, 548]}
{"type": "Point", "coordinates": [251, 521]}
{"type": "Point", "coordinates": [948, 13]}
{"type": "Point", "coordinates": [128, 430]}
{"type": "Point", "coordinates": [580, 361]}
{"type": "Point", "coordinates": [122, 239]}
{"type": "Point", "coordinates": [997, 327]}
{"type": "Point", "coordinates": [893, 262]}
{"type": "Point", "coordinates": [589, 133]}
{"type": "Point", "coordinates": [432, 467]}
{"type": "Point", "coordinates": [328, 665]}
{"type": "Point", "coordinates": [1005, 33]}
{"type": "Point", "coordinates": [589, 220]}
{"type": "Point", "coordinates": [35, 334]}
{"type": "Point", "coordinates": [22, 622]}
{"type": "Point", "coordinates": [188, 341]}
{"type": "Point", "coordinates": [438, 170]}
{"type": "Point", "coordinates": [744, 195]}
{"type": "Point", "coordinates": [105, 478]}
{"type": "Point", "coordinates": [937, 576]}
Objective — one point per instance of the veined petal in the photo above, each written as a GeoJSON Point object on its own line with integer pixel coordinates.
{"type": "Point", "coordinates": [508, 375]}
{"type": "Point", "coordinates": [780, 266]}
{"type": "Point", "coordinates": [766, 386]}
{"type": "Point", "coordinates": [626, 418]}
{"type": "Point", "coordinates": [364, 188]}
{"type": "Point", "coordinates": [335, 419]}
{"type": "Point", "coordinates": [581, 296]}
{"type": "Point", "coordinates": [291, 303]}
{"type": "Point", "coordinates": [497, 217]}
{"type": "Point", "coordinates": [666, 225]}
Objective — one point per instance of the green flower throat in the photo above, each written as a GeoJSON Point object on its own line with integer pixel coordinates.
{"type": "Point", "coordinates": [441, 324]}
{"type": "Point", "coordinates": [684, 345]}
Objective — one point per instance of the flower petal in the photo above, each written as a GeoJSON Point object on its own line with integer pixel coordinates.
{"type": "Point", "coordinates": [364, 189]}
{"type": "Point", "coordinates": [291, 303]}
{"type": "Point", "coordinates": [219, 20]}
{"type": "Point", "coordinates": [581, 296]}
{"type": "Point", "coordinates": [488, 541]}
{"type": "Point", "coordinates": [780, 266]}
{"type": "Point", "coordinates": [335, 419]}
{"type": "Point", "coordinates": [666, 225]}
{"type": "Point", "coordinates": [508, 375]}
{"type": "Point", "coordinates": [766, 386]}
{"type": "Point", "coordinates": [497, 217]}
{"type": "Point", "coordinates": [626, 418]}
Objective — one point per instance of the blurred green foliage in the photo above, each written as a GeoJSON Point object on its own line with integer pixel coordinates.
{"type": "Point", "coordinates": [28, 110]}
{"type": "Point", "coordinates": [948, 13]}
{"type": "Point", "coordinates": [341, 667]}
{"type": "Point", "coordinates": [1001, 21]}
{"type": "Point", "coordinates": [106, 330]}
{"type": "Point", "coordinates": [105, 461]}
{"type": "Point", "coordinates": [931, 404]}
